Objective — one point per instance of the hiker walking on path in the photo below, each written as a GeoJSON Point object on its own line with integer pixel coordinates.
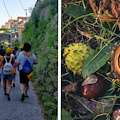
{"type": "Point", "coordinates": [7, 69]}
{"type": "Point", "coordinates": [26, 55]}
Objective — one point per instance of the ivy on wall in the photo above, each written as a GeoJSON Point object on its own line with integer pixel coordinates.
{"type": "Point", "coordinates": [41, 33]}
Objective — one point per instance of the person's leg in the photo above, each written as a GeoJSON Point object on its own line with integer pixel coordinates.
{"type": "Point", "coordinates": [4, 86]}
{"type": "Point", "coordinates": [26, 89]}
{"type": "Point", "coordinates": [22, 87]}
{"type": "Point", "coordinates": [9, 88]}
{"type": "Point", "coordinates": [14, 83]}
{"type": "Point", "coordinates": [0, 81]}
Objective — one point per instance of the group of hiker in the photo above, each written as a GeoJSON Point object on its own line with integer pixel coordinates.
{"type": "Point", "coordinates": [12, 60]}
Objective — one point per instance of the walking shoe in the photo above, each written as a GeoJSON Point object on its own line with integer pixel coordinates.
{"type": "Point", "coordinates": [26, 96]}
{"type": "Point", "coordinates": [22, 98]}
{"type": "Point", "coordinates": [13, 84]}
{"type": "Point", "coordinates": [5, 93]}
{"type": "Point", "coordinates": [8, 97]}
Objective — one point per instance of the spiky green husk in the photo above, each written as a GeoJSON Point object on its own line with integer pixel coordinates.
{"type": "Point", "coordinates": [75, 55]}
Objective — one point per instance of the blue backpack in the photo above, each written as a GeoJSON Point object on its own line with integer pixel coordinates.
{"type": "Point", "coordinates": [27, 67]}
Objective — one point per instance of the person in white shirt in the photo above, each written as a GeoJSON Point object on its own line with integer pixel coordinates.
{"type": "Point", "coordinates": [26, 54]}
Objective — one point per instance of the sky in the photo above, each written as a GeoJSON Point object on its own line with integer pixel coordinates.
{"type": "Point", "coordinates": [15, 8]}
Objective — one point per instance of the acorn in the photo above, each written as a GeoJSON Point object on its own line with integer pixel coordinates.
{"type": "Point", "coordinates": [116, 113]}
{"type": "Point", "coordinates": [93, 86]}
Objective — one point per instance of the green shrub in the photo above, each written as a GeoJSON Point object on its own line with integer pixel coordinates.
{"type": "Point", "coordinates": [42, 34]}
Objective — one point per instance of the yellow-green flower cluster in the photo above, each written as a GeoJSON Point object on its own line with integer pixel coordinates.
{"type": "Point", "coordinates": [75, 55]}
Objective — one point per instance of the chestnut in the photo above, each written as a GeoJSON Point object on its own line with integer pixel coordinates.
{"type": "Point", "coordinates": [116, 113]}
{"type": "Point", "coordinates": [92, 86]}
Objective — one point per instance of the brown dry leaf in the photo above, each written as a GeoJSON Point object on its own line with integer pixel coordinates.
{"type": "Point", "coordinates": [114, 8]}
{"type": "Point", "coordinates": [104, 4]}
{"type": "Point", "coordinates": [65, 3]}
{"type": "Point", "coordinates": [108, 14]}
{"type": "Point", "coordinates": [108, 18]}
{"type": "Point", "coordinates": [118, 8]}
{"type": "Point", "coordinates": [93, 5]}
{"type": "Point", "coordinates": [70, 88]}
{"type": "Point", "coordinates": [89, 104]}
{"type": "Point", "coordinates": [118, 24]}
{"type": "Point", "coordinates": [87, 34]}
{"type": "Point", "coordinates": [107, 6]}
{"type": "Point", "coordinates": [69, 109]}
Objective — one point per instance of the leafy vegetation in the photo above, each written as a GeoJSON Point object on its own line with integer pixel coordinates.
{"type": "Point", "coordinates": [41, 33]}
{"type": "Point", "coordinates": [4, 29]}
{"type": "Point", "coordinates": [89, 22]}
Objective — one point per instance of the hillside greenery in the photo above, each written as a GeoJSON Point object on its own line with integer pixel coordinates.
{"type": "Point", "coordinates": [41, 33]}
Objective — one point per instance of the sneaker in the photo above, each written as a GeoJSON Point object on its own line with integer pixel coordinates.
{"type": "Point", "coordinates": [5, 93]}
{"type": "Point", "coordinates": [26, 96]}
{"type": "Point", "coordinates": [13, 84]}
{"type": "Point", "coordinates": [22, 98]}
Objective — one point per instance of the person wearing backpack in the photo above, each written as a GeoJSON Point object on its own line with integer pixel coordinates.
{"type": "Point", "coordinates": [7, 69]}
{"type": "Point", "coordinates": [25, 62]}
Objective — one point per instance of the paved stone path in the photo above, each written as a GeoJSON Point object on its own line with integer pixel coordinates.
{"type": "Point", "coordinates": [15, 109]}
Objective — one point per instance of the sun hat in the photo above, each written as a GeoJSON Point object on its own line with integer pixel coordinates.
{"type": "Point", "coordinates": [21, 46]}
{"type": "Point", "coordinates": [8, 50]}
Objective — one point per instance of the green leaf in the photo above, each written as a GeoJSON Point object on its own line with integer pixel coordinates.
{"type": "Point", "coordinates": [65, 115]}
{"type": "Point", "coordinates": [96, 60]}
{"type": "Point", "coordinates": [76, 11]}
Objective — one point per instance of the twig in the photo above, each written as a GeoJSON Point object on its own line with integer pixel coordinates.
{"type": "Point", "coordinates": [64, 74]}
{"type": "Point", "coordinates": [108, 116]}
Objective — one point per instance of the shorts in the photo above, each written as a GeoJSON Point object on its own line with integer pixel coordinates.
{"type": "Point", "coordinates": [7, 77]}
{"type": "Point", "coordinates": [23, 77]}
